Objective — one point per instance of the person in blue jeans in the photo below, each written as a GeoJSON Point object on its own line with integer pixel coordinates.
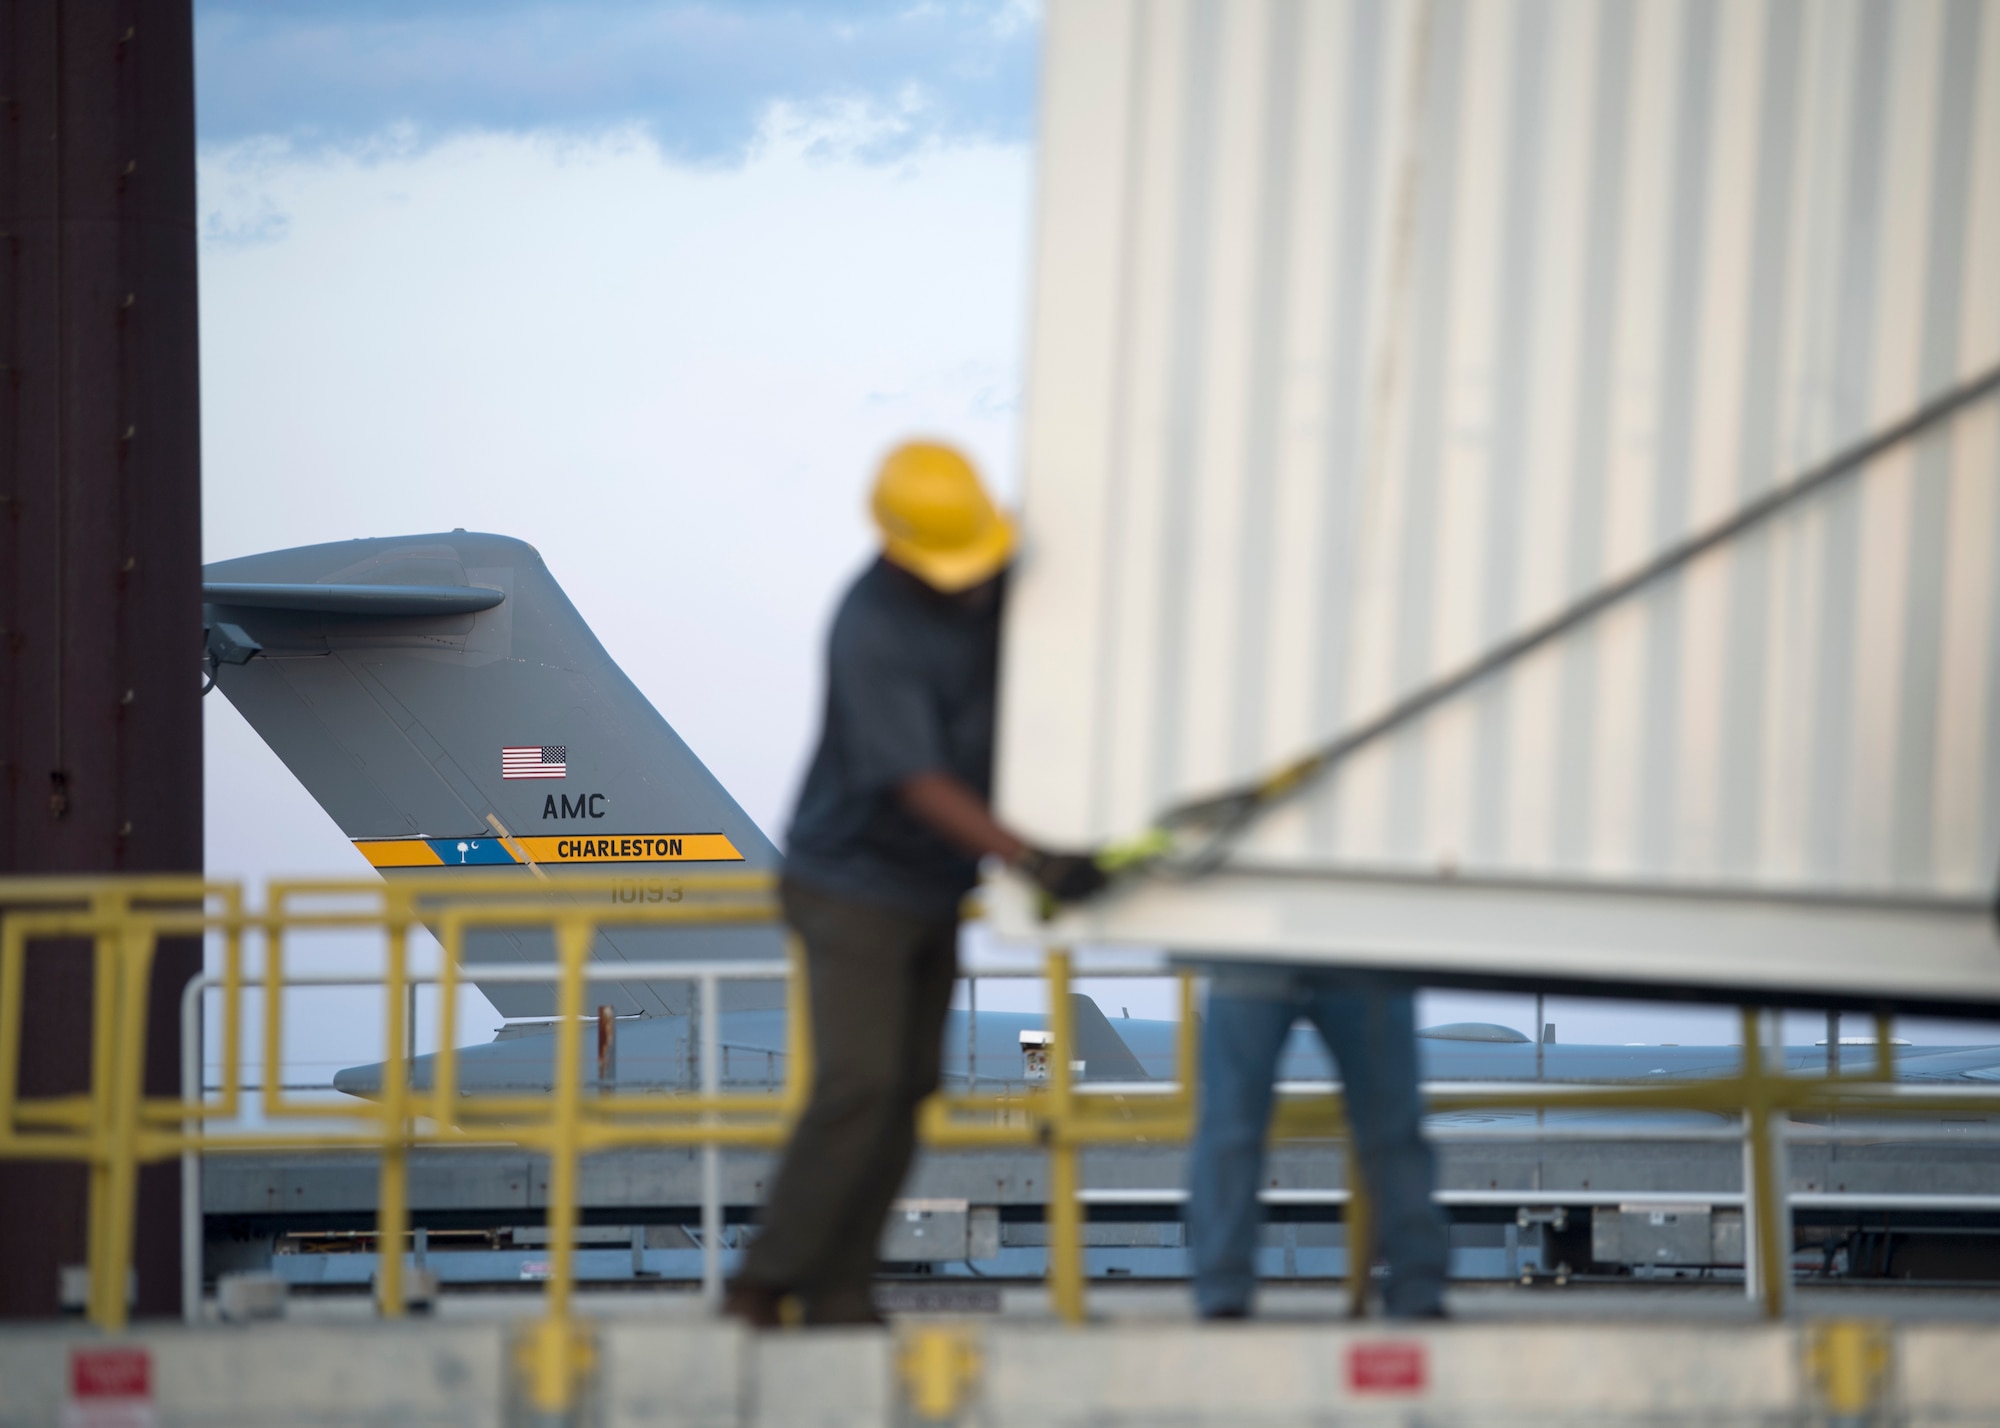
{"type": "Point", "coordinates": [1370, 1028]}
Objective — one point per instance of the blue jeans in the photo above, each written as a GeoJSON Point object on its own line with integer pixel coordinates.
{"type": "Point", "coordinates": [1371, 1032]}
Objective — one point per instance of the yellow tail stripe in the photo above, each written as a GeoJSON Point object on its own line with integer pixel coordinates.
{"type": "Point", "coordinates": [632, 848]}
{"type": "Point", "coordinates": [398, 853]}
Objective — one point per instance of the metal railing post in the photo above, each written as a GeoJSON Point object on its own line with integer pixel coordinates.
{"type": "Point", "coordinates": [106, 1307]}
{"type": "Point", "coordinates": [13, 973]}
{"type": "Point", "coordinates": [555, 1355]}
{"type": "Point", "coordinates": [1187, 1051]}
{"type": "Point", "coordinates": [274, 1010]}
{"type": "Point", "coordinates": [392, 1206]}
{"type": "Point", "coordinates": [1360, 1235]}
{"type": "Point", "coordinates": [103, 1014]}
{"type": "Point", "coordinates": [444, 1066]}
{"type": "Point", "coordinates": [1767, 1240]}
{"type": "Point", "coordinates": [191, 1093]}
{"type": "Point", "coordinates": [798, 1026]}
{"type": "Point", "coordinates": [711, 1153]}
{"type": "Point", "coordinates": [232, 1008]}
{"type": "Point", "coordinates": [132, 958]}
{"type": "Point", "coordinates": [1065, 1215]}
{"type": "Point", "coordinates": [1753, 1260]}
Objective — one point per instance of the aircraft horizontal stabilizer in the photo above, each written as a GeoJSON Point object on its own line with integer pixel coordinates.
{"type": "Point", "coordinates": [392, 600]}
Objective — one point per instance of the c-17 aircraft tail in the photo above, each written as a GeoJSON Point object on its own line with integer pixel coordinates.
{"type": "Point", "coordinates": [435, 692]}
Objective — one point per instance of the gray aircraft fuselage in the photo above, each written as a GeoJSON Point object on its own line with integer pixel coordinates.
{"type": "Point", "coordinates": [658, 1054]}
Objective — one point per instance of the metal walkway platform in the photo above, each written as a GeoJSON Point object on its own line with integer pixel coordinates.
{"type": "Point", "coordinates": [1508, 1359]}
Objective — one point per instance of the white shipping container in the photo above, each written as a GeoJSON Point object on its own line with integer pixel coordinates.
{"type": "Point", "coordinates": [1368, 334]}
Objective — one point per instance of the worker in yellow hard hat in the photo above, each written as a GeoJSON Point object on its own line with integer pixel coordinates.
{"type": "Point", "coordinates": [936, 520]}
{"type": "Point", "coordinates": [886, 840]}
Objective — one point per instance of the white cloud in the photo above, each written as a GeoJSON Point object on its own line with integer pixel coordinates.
{"type": "Point", "coordinates": [700, 78]}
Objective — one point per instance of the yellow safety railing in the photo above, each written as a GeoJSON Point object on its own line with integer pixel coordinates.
{"type": "Point", "coordinates": [114, 1128]}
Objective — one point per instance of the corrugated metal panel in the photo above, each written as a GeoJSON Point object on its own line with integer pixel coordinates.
{"type": "Point", "coordinates": [1366, 334]}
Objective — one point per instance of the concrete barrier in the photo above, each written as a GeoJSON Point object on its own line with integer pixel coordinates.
{"type": "Point", "coordinates": [673, 1373]}
{"type": "Point", "coordinates": [1292, 1377]}
{"type": "Point", "coordinates": [683, 1372]}
{"type": "Point", "coordinates": [1946, 1375]}
{"type": "Point", "coordinates": [427, 1375]}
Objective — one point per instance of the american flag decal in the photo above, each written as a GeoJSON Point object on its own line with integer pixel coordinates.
{"type": "Point", "coordinates": [535, 761]}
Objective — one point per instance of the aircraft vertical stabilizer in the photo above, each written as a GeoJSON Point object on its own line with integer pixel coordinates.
{"type": "Point", "coordinates": [424, 687]}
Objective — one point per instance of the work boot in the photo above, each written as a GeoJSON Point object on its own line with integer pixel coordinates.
{"type": "Point", "coordinates": [1414, 1305]}
{"type": "Point", "coordinates": [757, 1305]}
{"type": "Point", "coordinates": [845, 1305]}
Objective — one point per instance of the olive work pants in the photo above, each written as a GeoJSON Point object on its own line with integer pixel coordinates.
{"type": "Point", "coordinates": [880, 984]}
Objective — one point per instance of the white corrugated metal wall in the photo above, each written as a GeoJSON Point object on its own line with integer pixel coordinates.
{"type": "Point", "coordinates": [1367, 333]}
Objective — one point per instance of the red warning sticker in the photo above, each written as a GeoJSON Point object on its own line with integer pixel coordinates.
{"type": "Point", "coordinates": [110, 1373]}
{"type": "Point", "coordinates": [1387, 1366]}
{"type": "Point", "coordinates": [110, 1387]}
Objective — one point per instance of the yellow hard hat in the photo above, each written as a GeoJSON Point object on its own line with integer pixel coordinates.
{"type": "Point", "coordinates": [937, 521]}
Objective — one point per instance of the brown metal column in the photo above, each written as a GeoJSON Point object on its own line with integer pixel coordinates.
{"type": "Point", "coordinates": [100, 543]}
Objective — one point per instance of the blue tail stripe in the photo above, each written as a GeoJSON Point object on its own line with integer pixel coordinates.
{"type": "Point", "coordinates": [471, 852]}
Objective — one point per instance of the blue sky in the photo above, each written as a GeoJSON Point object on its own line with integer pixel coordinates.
{"type": "Point", "coordinates": [698, 79]}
